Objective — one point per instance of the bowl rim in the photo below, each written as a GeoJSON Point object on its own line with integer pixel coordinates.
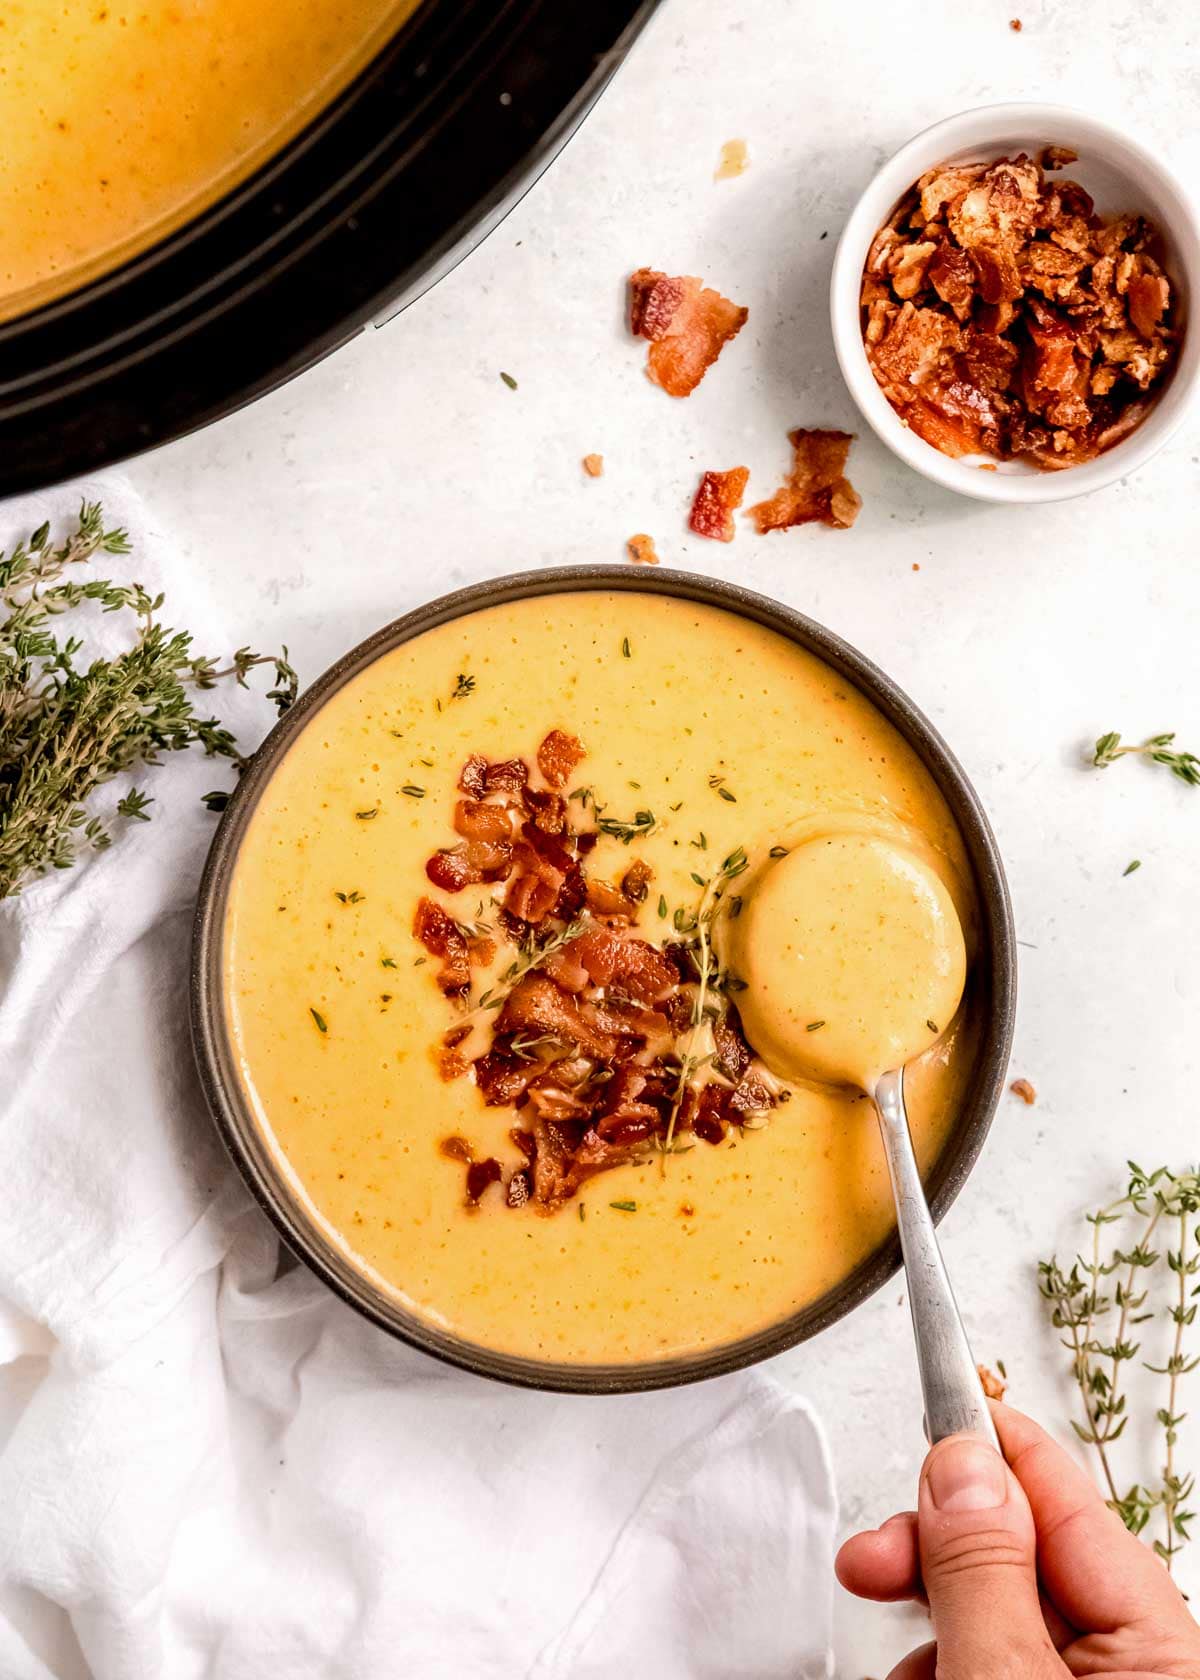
{"type": "Point", "coordinates": [984, 126]}
{"type": "Point", "coordinates": [267, 1179]}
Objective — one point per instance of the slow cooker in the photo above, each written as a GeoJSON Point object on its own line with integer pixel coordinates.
{"type": "Point", "coordinates": [391, 185]}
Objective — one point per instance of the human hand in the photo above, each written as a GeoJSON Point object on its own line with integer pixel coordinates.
{"type": "Point", "coordinates": [1028, 1574]}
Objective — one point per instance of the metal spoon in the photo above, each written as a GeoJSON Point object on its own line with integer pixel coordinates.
{"type": "Point", "coordinates": [953, 1394]}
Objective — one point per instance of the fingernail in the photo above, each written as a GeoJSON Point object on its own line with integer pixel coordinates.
{"type": "Point", "coordinates": [967, 1476]}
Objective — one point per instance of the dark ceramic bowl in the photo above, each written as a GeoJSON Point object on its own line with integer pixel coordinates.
{"type": "Point", "coordinates": [991, 990]}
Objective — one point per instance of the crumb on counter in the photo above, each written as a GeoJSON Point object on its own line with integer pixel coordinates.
{"type": "Point", "coordinates": [994, 1387]}
{"type": "Point", "coordinates": [593, 466]}
{"type": "Point", "coordinates": [641, 550]}
{"type": "Point", "coordinates": [1015, 25]}
{"type": "Point", "coordinates": [686, 323]}
{"type": "Point", "coordinates": [1023, 1089]}
{"type": "Point", "coordinates": [816, 491]}
{"type": "Point", "coordinates": [734, 160]}
{"type": "Point", "coordinates": [716, 501]}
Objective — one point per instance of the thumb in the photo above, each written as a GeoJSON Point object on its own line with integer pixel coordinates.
{"type": "Point", "coordinates": [979, 1565]}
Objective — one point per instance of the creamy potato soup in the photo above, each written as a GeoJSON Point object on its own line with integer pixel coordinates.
{"type": "Point", "coordinates": [481, 961]}
{"type": "Point", "coordinates": [122, 118]}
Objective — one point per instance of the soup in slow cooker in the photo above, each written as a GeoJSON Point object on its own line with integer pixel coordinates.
{"type": "Point", "coordinates": [122, 119]}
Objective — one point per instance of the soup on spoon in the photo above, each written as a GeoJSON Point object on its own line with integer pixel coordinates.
{"type": "Point", "coordinates": [853, 959]}
{"type": "Point", "coordinates": [854, 962]}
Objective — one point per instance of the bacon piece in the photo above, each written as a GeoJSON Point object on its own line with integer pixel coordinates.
{"type": "Point", "coordinates": [465, 866]}
{"type": "Point", "coordinates": [643, 972]}
{"type": "Point", "coordinates": [475, 820]}
{"type": "Point", "coordinates": [1148, 298]}
{"type": "Point", "coordinates": [479, 1175]}
{"type": "Point", "coordinates": [641, 550]}
{"type": "Point", "coordinates": [717, 500]}
{"type": "Point", "coordinates": [537, 1005]}
{"type": "Point", "coordinates": [687, 323]}
{"type": "Point", "coordinates": [593, 466]}
{"type": "Point", "coordinates": [511, 776]}
{"type": "Point", "coordinates": [548, 809]}
{"type": "Point", "coordinates": [732, 1052]}
{"type": "Point", "coordinates": [503, 1078]}
{"type": "Point", "coordinates": [816, 490]}
{"type": "Point", "coordinates": [451, 1064]}
{"type": "Point", "coordinates": [519, 1188]}
{"type": "Point", "coordinates": [471, 778]}
{"type": "Point", "coordinates": [442, 937]}
{"type": "Point", "coordinates": [952, 276]}
{"type": "Point", "coordinates": [541, 869]}
{"type": "Point", "coordinates": [636, 881]}
{"type": "Point", "coordinates": [554, 1147]}
{"type": "Point", "coordinates": [604, 899]}
{"type": "Point", "coordinates": [596, 1154]}
{"type": "Point", "coordinates": [558, 756]}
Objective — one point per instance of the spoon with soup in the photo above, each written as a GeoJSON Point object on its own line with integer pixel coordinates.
{"type": "Point", "coordinates": [854, 962]}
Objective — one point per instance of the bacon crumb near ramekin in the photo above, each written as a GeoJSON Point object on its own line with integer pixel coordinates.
{"type": "Point", "coordinates": [593, 466]}
{"type": "Point", "coordinates": [994, 1387]}
{"type": "Point", "coordinates": [716, 501]}
{"type": "Point", "coordinates": [687, 325]}
{"type": "Point", "coordinates": [816, 491]}
{"type": "Point", "coordinates": [1023, 1089]}
{"type": "Point", "coordinates": [641, 550]}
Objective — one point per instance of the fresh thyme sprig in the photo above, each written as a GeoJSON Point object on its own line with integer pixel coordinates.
{"type": "Point", "coordinates": [532, 953]}
{"type": "Point", "coordinates": [643, 822]}
{"type": "Point", "coordinates": [67, 728]}
{"type": "Point", "coordinates": [1157, 748]}
{"type": "Point", "coordinates": [1081, 1303]}
{"type": "Point", "coordinates": [697, 931]}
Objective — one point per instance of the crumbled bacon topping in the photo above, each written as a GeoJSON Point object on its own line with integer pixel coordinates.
{"type": "Point", "coordinates": [1003, 316]}
{"type": "Point", "coordinates": [717, 500]}
{"type": "Point", "coordinates": [593, 466]}
{"type": "Point", "coordinates": [816, 491]}
{"type": "Point", "coordinates": [442, 937]}
{"type": "Point", "coordinates": [584, 1027]}
{"type": "Point", "coordinates": [1023, 1089]}
{"type": "Point", "coordinates": [687, 323]}
{"type": "Point", "coordinates": [558, 755]}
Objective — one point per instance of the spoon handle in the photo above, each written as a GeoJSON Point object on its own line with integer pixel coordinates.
{"type": "Point", "coordinates": [953, 1394]}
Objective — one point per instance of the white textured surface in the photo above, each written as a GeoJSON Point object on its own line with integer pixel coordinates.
{"type": "Point", "coordinates": [403, 466]}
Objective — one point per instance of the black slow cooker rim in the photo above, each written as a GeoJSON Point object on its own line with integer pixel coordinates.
{"type": "Point", "coordinates": [350, 216]}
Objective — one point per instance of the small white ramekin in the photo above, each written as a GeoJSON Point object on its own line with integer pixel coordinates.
{"type": "Point", "coordinates": [1120, 174]}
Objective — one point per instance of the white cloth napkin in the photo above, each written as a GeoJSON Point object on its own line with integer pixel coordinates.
{"type": "Point", "coordinates": [209, 1466]}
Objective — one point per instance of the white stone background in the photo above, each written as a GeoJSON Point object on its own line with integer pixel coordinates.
{"type": "Point", "coordinates": [403, 467]}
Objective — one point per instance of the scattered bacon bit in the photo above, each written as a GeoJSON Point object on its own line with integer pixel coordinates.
{"type": "Point", "coordinates": [635, 882]}
{"type": "Point", "coordinates": [686, 1210]}
{"type": "Point", "coordinates": [1003, 316]}
{"type": "Point", "coordinates": [687, 323]}
{"type": "Point", "coordinates": [558, 756]}
{"type": "Point", "coordinates": [466, 865]}
{"type": "Point", "coordinates": [518, 1189]}
{"type": "Point", "coordinates": [442, 937]}
{"type": "Point", "coordinates": [816, 490]}
{"type": "Point", "coordinates": [593, 466]}
{"type": "Point", "coordinates": [509, 776]}
{"type": "Point", "coordinates": [641, 550]}
{"type": "Point", "coordinates": [718, 498]}
{"type": "Point", "coordinates": [1023, 1089]}
{"type": "Point", "coordinates": [451, 1064]}
{"type": "Point", "coordinates": [1015, 25]}
{"type": "Point", "coordinates": [475, 820]}
{"type": "Point", "coordinates": [479, 1175]}
{"type": "Point", "coordinates": [471, 779]}
{"type": "Point", "coordinates": [994, 1387]}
